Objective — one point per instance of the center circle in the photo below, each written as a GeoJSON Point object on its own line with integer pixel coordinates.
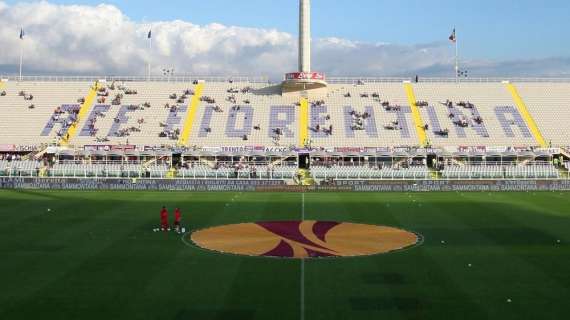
{"type": "Point", "coordinates": [304, 239]}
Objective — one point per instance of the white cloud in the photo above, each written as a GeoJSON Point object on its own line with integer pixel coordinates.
{"type": "Point", "coordinates": [345, 57]}
{"type": "Point", "coordinates": [77, 39]}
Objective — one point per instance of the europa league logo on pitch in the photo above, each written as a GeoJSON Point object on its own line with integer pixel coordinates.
{"type": "Point", "coordinates": [304, 239]}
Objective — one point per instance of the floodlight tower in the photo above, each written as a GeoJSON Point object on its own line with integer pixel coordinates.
{"type": "Point", "coordinates": [305, 79]}
{"type": "Point", "coordinates": [305, 36]}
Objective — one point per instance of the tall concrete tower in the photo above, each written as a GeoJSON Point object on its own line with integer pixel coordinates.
{"type": "Point", "coordinates": [304, 35]}
{"type": "Point", "coordinates": [304, 80]}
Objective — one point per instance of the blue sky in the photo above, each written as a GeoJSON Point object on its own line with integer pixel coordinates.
{"type": "Point", "coordinates": [488, 29]}
{"type": "Point", "coordinates": [350, 37]}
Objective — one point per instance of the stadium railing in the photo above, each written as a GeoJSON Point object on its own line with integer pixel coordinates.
{"type": "Point", "coordinates": [180, 78]}
{"type": "Point", "coordinates": [278, 175]}
{"type": "Point", "coordinates": [281, 173]}
{"type": "Point", "coordinates": [264, 79]}
{"type": "Point", "coordinates": [356, 80]}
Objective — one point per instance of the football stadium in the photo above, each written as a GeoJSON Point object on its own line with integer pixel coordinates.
{"type": "Point", "coordinates": [309, 197]}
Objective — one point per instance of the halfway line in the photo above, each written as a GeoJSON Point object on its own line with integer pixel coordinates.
{"type": "Point", "coordinates": [302, 289]}
{"type": "Point", "coordinates": [302, 263]}
{"type": "Point", "coordinates": [303, 207]}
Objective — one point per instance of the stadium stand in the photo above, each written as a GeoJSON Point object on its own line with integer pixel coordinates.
{"type": "Point", "coordinates": [233, 114]}
{"type": "Point", "coordinates": [549, 103]}
{"type": "Point", "coordinates": [190, 170]}
{"type": "Point", "coordinates": [38, 112]}
{"type": "Point", "coordinates": [138, 125]}
{"type": "Point", "coordinates": [367, 172]}
{"type": "Point", "coordinates": [472, 114]}
{"type": "Point", "coordinates": [492, 171]}
{"type": "Point", "coordinates": [239, 171]}
{"type": "Point", "coordinates": [138, 113]}
{"type": "Point", "coordinates": [242, 113]}
{"type": "Point", "coordinates": [381, 117]}
{"type": "Point", "coordinates": [20, 168]}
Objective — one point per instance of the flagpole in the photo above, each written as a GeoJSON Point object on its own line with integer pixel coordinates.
{"type": "Point", "coordinates": [21, 56]}
{"type": "Point", "coordinates": [149, 55]}
{"type": "Point", "coordinates": [456, 58]}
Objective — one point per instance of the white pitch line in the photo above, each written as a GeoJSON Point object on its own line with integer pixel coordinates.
{"type": "Point", "coordinates": [303, 207]}
{"type": "Point", "coordinates": [302, 263]}
{"type": "Point", "coordinates": [302, 289]}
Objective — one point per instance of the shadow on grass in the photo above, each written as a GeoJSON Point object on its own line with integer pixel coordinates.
{"type": "Point", "coordinates": [383, 304]}
{"type": "Point", "coordinates": [191, 314]}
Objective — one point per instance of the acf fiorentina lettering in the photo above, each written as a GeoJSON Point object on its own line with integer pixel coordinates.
{"type": "Point", "coordinates": [284, 118]}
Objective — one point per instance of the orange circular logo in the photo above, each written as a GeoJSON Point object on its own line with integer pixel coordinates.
{"type": "Point", "coordinates": [304, 239]}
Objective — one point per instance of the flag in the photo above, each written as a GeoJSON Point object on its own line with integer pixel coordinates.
{"type": "Point", "coordinates": [453, 37]}
{"type": "Point", "coordinates": [22, 34]}
{"type": "Point", "coordinates": [149, 34]}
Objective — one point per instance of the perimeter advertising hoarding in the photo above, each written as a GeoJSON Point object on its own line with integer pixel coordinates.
{"type": "Point", "coordinates": [7, 148]}
{"type": "Point", "coordinates": [305, 76]}
{"type": "Point", "coordinates": [279, 186]}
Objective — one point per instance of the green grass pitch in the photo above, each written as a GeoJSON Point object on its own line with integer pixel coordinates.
{"type": "Point", "coordinates": [95, 256]}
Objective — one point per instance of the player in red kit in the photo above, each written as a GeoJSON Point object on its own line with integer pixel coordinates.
{"type": "Point", "coordinates": [177, 218]}
{"type": "Point", "coordinates": [164, 219]}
